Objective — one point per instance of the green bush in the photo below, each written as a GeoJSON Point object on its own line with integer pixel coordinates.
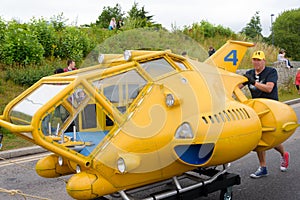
{"type": "Point", "coordinates": [1, 87]}
{"type": "Point", "coordinates": [45, 34]}
{"type": "Point", "coordinates": [207, 34]}
{"type": "Point", "coordinates": [150, 39]}
{"type": "Point", "coordinates": [21, 46]}
{"type": "Point", "coordinates": [2, 36]}
{"type": "Point", "coordinates": [286, 32]}
{"type": "Point", "coordinates": [73, 44]}
{"type": "Point", "coordinates": [27, 76]}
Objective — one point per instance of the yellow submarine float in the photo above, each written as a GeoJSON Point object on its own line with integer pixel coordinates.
{"type": "Point", "coordinates": [143, 117]}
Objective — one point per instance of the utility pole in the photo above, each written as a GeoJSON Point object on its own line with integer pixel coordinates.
{"type": "Point", "coordinates": [272, 15]}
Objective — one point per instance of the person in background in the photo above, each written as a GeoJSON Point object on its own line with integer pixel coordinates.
{"type": "Point", "coordinates": [297, 80]}
{"type": "Point", "coordinates": [70, 66]}
{"type": "Point", "coordinates": [58, 71]}
{"type": "Point", "coordinates": [211, 51]}
{"type": "Point", "coordinates": [184, 54]}
{"type": "Point", "coordinates": [120, 24]}
{"type": "Point", "coordinates": [281, 57]}
{"type": "Point", "coordinates": [112, 24]}
{"type": "Point", "coordinates": [262, 83]}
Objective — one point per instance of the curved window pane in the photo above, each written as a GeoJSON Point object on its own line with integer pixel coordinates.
{"type": "Point", "coordinates": [157, 67]}
{"type": "Point", "coordinates": [77, 97]}
{"type": "Point", "coordinates": [181, 65]}
{"type": "Point", "coordinates": [89, 117]}
{"type": "Point", "coordinates": [121, 89]}
{"type": "Point", "coordinates": [23, 112]}
{"type": "Point", "coordinates": [52, 123]}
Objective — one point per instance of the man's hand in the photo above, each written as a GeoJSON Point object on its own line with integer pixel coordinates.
{"type": "Point", "coordinates": [251, 80]}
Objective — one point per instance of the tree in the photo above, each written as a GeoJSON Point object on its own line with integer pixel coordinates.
{"type": "Point", "coordinates": [45, 34]}
{"type": "Point", "coordinates": [2, 35]}
{"type": "Point", "coordinates": [253, 28]}
{"type": "Point", "coordinates": [59, 22]}
{"type": "Point", "coordinates": [107, 14]}
{"type": "Point", "coordinates": [21, 46]}
{"type": "Point", "coordinates": [138, 18]}
{"type": "Point", "coordinates": [286, 30]}
{"type": "Point", "coordinates": [204, 30]}
{"type": "Point", "coordinates": [74, 44]}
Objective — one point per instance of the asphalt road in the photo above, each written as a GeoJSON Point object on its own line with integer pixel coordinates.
{"type": "Point", "coordinates": [19, 176]}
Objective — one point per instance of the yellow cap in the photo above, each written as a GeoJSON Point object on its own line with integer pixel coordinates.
{"type": "Point", "coordinates": [259, 55]}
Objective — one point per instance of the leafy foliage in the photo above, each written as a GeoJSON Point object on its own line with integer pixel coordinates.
{"type": "Point", "coordinates": [73, 44]}
{"type": "Point", "coordinates": [206, 30]}
{"type": "Point", "coordinates": [253, 28]}
{"type": "Point", "coordinates": [208, 34]}
{"type": "Point", "coordinates": [149, 39]}
{"type": "Point", "coordinates": [108, 13]}
{"type": "Point", "coordinates": [21, 46]}
{"type": "Point", "coordinates": [26, 44]}
{"type": "Point", "coordinates": [2, 30]}
{"type": "Point", "coordinates": [27, 76]}
{"type": "Point", "coordinates": [59, 22]}
{"type": "Point", "coordinates": [138, 18]}
{"type": "Point", "coordinates": [33, 43]}
{"type": "Point", "coordinates": [46, 35]}
{"type": "Point", "coordinates": [36, 42]}
{"type": "Point", "coordinates": [286, 30]}
{"type": "Point", "coordinates": [2, 36]}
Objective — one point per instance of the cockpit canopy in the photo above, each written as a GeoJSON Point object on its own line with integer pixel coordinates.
{"type": "Point", "coordinates": [91, 100]}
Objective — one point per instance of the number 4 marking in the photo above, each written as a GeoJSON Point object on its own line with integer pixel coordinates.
{"type": "Point", "coordinates": [231, 57]}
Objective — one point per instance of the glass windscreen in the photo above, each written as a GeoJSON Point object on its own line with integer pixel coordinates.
{"type": "Point", "coordinates": [23, 112]}
{"type": "Point", "coordinates": [77, 97]}
{"type": "Point", "coordinates": [181, 65]}
{"type": "Point", "coordinates": [52, 123]}
{"type": "Point", "coordinates": [121, 89]}
{"type": "Point", "coordinates": [157, 67]}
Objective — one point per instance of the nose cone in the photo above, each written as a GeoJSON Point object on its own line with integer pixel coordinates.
{"type": "Point", "coordinates": [80, 186]}
{"type": "Point", "coordinates": [48, 167]}
{"type": "Point", "coordinates": [85, 185]}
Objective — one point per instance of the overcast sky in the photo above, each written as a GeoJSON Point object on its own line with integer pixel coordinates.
{"type": "Point", "coordinates": [234, 14]}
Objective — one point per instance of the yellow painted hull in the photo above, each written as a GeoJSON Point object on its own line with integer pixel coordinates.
{"type": "Point", "coordinates": [144, 118]}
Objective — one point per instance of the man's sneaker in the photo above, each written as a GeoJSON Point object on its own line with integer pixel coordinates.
{"type": "Point", "coordinates": [260, 172]}
{"type": "Point", "coordinates": [284, 162]}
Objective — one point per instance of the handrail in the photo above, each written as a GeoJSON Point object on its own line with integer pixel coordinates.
{"type": "Point", "coordinates": [15, 128]}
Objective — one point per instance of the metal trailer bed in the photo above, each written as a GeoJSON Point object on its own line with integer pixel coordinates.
{"type": "Point", "coordinates": [190, 185]}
